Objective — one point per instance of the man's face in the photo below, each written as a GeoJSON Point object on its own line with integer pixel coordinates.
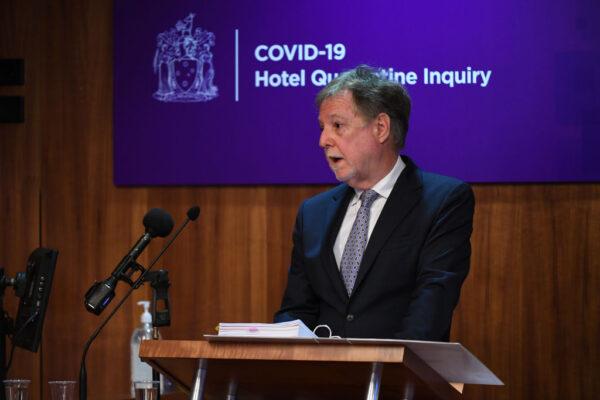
{"type": "Point", "coordinates": [349, 141]}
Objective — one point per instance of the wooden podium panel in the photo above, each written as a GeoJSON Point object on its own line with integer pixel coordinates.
{"type": "Point", "coordinates": [298, 369]}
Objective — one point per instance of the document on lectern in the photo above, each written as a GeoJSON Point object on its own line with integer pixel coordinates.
{"type": "Point", "coordinates": [290, 329]}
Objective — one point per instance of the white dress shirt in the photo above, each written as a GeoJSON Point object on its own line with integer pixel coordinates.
{"type": "Point", "coordinates": [383, 188]}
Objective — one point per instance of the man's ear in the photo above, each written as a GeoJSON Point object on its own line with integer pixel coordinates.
{"type": "Point", "coordinates": [382, 127]}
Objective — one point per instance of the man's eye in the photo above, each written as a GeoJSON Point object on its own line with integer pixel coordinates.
{"type": "Point", "coordinates": [337, 125]}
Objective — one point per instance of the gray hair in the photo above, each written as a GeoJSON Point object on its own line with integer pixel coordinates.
{"type": "Point", "coordinates": [373, 94]}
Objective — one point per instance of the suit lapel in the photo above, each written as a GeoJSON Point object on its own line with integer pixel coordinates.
{"type": "Point", "coordinates": [405, 195]}
{"type": "Point", "coordinates": [333, 218]}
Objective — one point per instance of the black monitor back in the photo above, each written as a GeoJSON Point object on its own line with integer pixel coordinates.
{"type": "Point", "coordinates": [32, 307]}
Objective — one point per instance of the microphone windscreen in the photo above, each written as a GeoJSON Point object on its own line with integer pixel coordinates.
{"type": "Point", "coordinates": [193, 213]}
{"type": "Point", "coordinates": [158, 222]}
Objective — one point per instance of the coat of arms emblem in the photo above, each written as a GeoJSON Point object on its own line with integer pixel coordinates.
{"type": "Point", "coordinates": [183, 63]}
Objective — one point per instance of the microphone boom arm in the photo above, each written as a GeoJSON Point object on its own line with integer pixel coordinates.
{"type": "Point", "coordinates": [139, 281]}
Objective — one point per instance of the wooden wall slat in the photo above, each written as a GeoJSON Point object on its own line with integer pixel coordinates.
{"type": "Point", "coordinates": [20, 171]}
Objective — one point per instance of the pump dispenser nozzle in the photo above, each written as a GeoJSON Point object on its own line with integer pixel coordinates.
{"type": "Point", "coordinates": [146, 317]}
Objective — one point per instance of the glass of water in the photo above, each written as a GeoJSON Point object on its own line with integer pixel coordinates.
{"type": "Point", "coordinates": [62, 390]}
{"type": "Point", "coordinates": [146, 390]}
{"type": "Point", "coordinates": [16, 389]}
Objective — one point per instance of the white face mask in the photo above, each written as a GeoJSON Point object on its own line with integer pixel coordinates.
{"type": "Point", "coordinates": [328, 330]}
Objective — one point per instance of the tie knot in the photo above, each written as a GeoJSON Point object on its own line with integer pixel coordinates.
{"type": "Point", "coordinates": [368, 197]}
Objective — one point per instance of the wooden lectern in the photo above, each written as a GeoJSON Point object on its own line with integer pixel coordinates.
{"type": "Point", "coordinates": [259, 368]}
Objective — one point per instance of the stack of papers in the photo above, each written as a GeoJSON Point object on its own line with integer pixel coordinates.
{"type": "Point", "coordinates": [289, 329]}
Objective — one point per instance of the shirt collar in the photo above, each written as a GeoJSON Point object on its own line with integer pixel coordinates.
{"type": "Point", "coordinates": [386, 184]}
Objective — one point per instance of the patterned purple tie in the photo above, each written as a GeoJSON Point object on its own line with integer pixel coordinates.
{"type": "Point", "coordinates": [357, 240]}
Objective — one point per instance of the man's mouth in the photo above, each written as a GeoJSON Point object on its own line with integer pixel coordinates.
{"type": "Point", "coordinates": [335, 159]}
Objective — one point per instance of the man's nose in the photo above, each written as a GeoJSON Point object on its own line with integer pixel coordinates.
{"type": "Point", "coordinates": [325, 139]}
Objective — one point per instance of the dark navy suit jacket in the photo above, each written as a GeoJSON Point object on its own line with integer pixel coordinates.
{"type": "Point", "coordinates": [412, 270]}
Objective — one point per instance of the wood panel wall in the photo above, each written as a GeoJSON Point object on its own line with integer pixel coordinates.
{"type": "Point", "coordinates": [529, 309]}
{"type": "Point", "coordinates": [20, 168]}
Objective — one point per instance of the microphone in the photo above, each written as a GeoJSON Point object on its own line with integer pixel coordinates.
{"type": "Point", "coordinates": [192, 215]}
{"type": "Point", "coordinates": [157, 222]}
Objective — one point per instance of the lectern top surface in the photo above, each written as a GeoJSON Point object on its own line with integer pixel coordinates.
{"type": "Point", "coordinates": [451, 360]}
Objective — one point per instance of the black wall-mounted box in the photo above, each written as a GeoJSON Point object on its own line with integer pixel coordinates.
{"type": "Point", "coordinates": [12, 109]}
{"type": "Point", "coordinates": [12, 72]}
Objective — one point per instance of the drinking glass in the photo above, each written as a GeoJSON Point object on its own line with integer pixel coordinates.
{"type": "Point", "coordinates": [146, 390]}
{"type": "Point", "coordinates": [16, 389]}
{"type": "Point", "coordinates": [62, 390]}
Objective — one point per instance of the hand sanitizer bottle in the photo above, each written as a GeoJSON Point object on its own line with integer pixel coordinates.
{"type": "Point", "coordinates": [140, 371]}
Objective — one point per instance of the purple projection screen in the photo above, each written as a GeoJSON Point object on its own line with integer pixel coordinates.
{"type": "Point", "coordinates": [210, 92]}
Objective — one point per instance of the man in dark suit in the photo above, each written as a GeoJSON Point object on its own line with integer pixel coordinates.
{"type": "Point", "coordinates": [385, 253]}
